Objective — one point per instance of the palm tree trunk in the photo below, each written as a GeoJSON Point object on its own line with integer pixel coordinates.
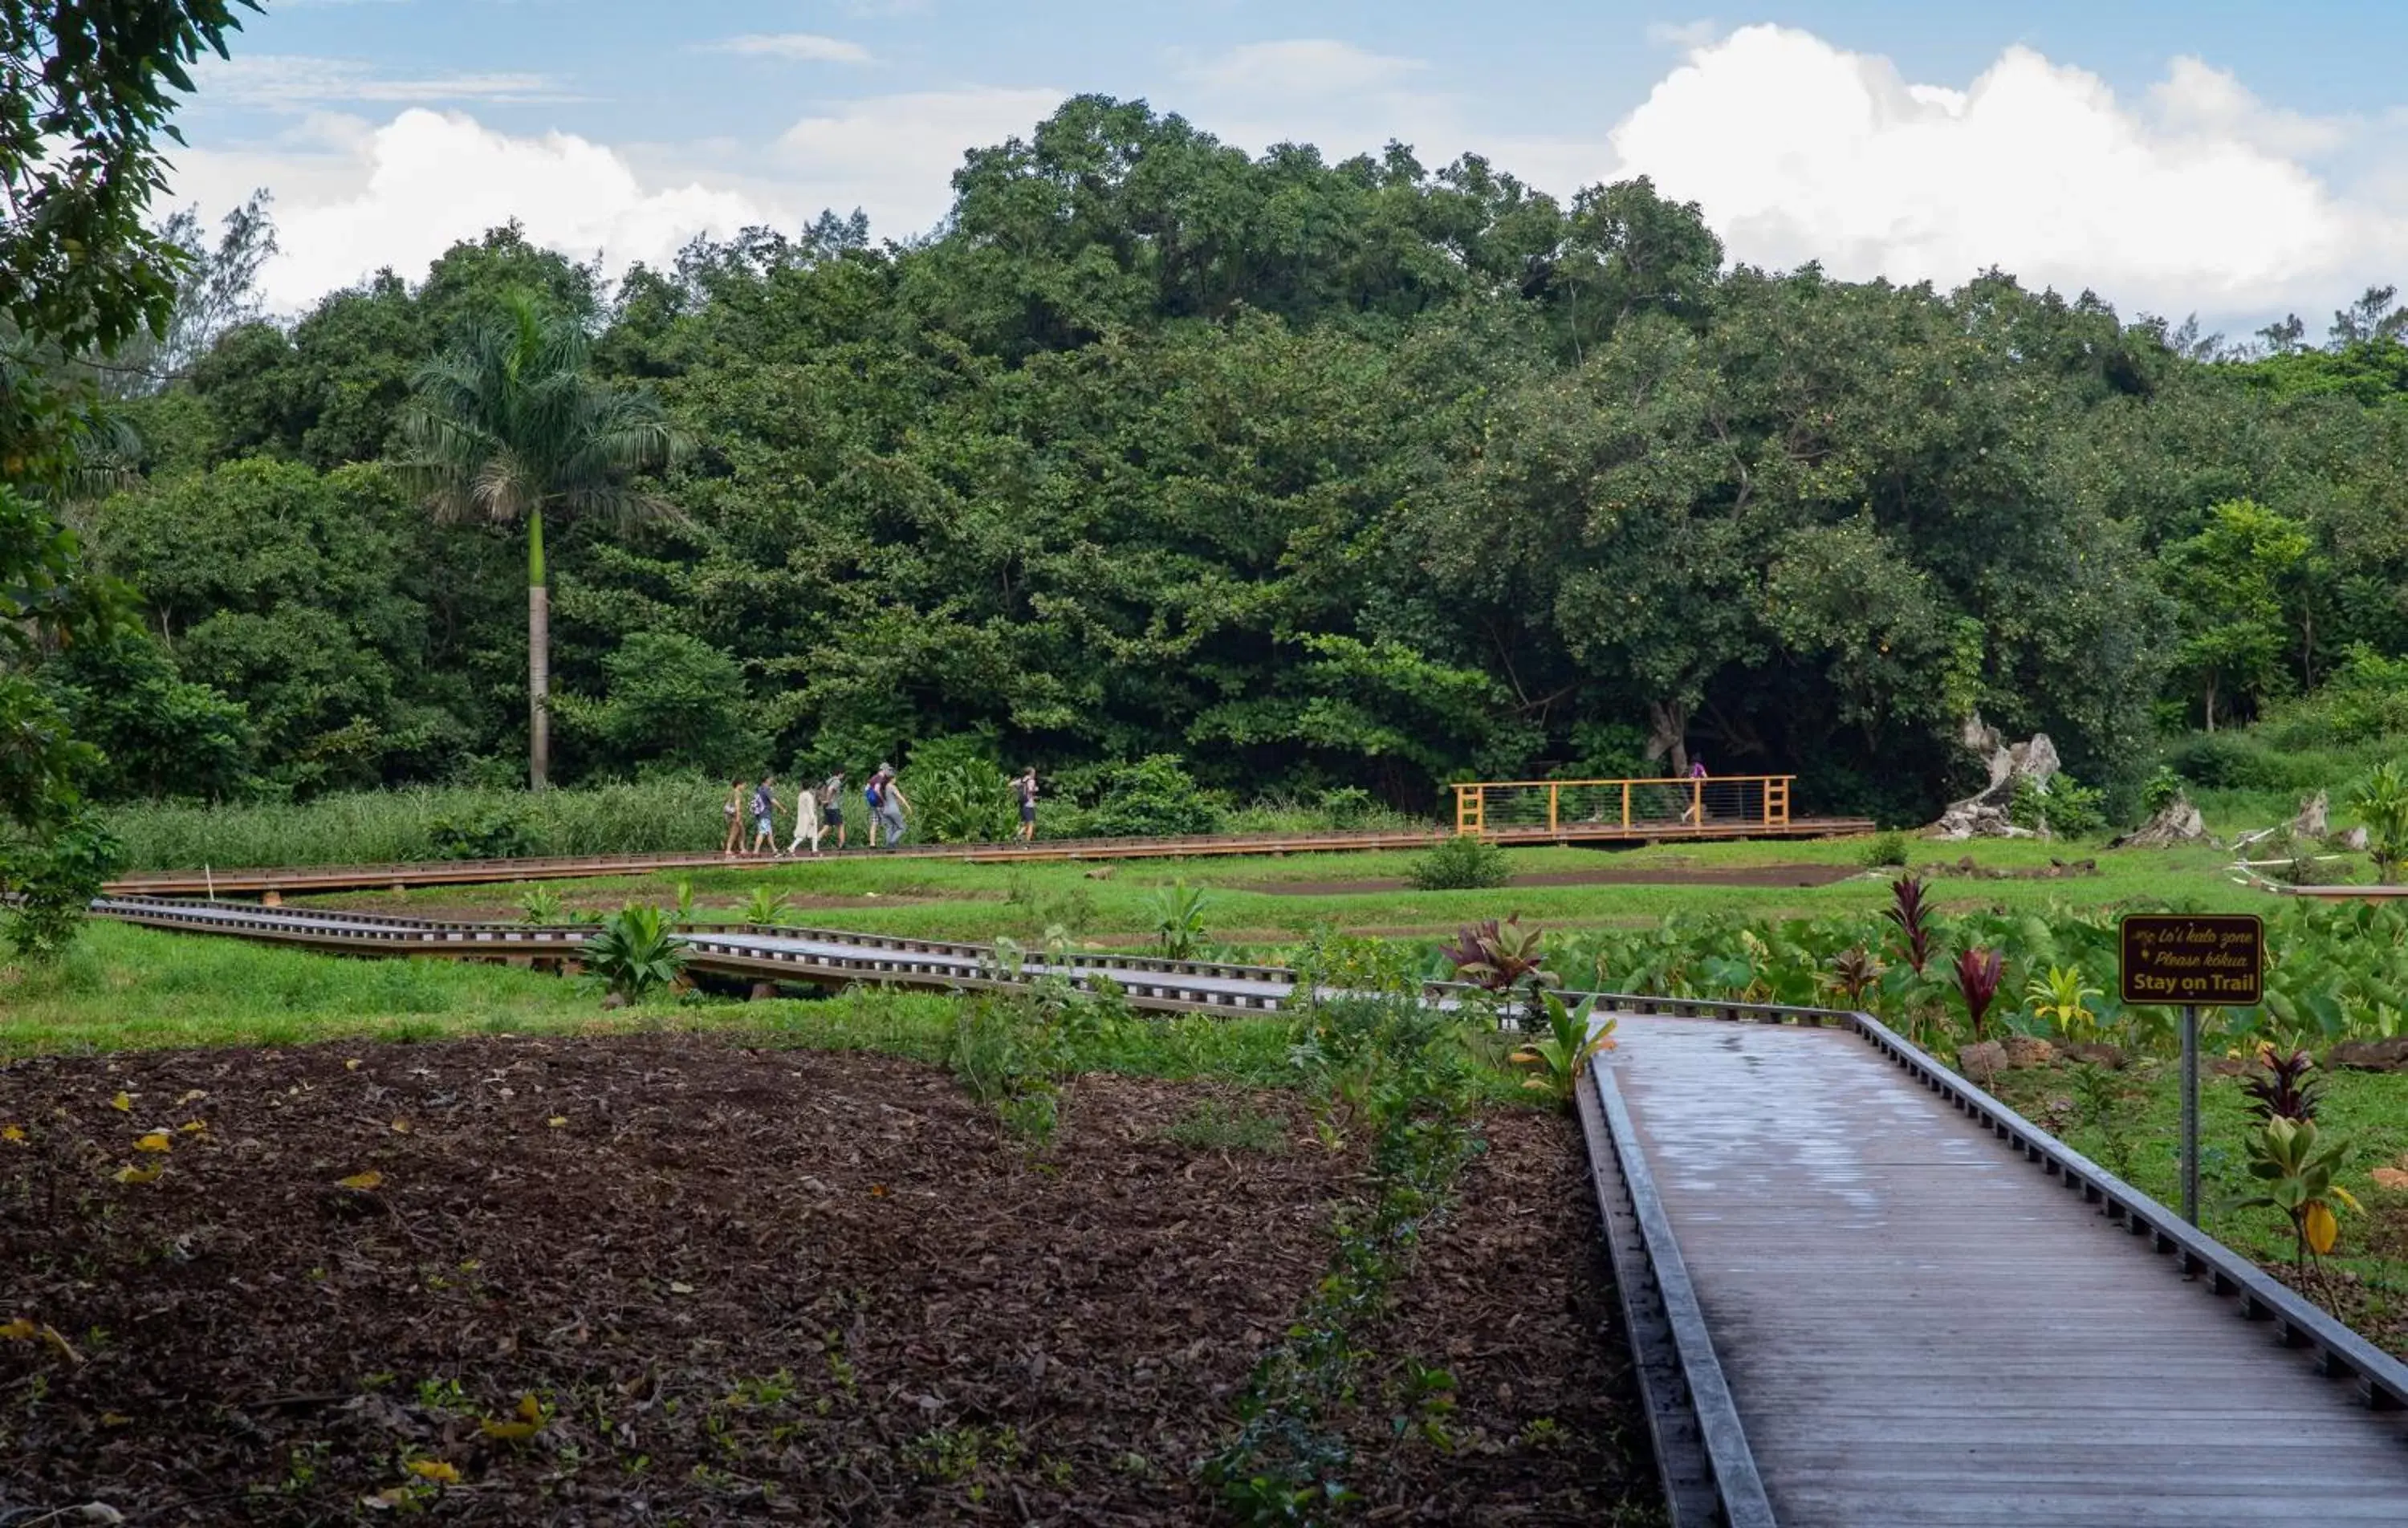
{"type": "Point", "coordinates": [539, 659]}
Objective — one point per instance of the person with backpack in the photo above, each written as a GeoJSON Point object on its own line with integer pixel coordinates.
{"type": "Point", "coordinates": [765, 816]}
{"type": "Point", "coordinates": [890, 803]}
{"type": "Point", "coordinates": [870, 796]}
{"type": "Point", "coordinates": [1026, 788]}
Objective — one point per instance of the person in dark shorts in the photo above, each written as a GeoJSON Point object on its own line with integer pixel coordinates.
{"type": "Point", "coordinates": [1026, 788]}
{"type": "Point", "coordinates": [832, 807]}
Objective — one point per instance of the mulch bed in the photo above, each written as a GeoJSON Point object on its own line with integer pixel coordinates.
{"type": "Point", "coordinates": [1737, 875]}
{"type": "Point", "coordinates": [739, 1286]}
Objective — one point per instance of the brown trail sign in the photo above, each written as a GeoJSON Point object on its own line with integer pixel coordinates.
{"type": "Point", "coordinates": [2216, 960]}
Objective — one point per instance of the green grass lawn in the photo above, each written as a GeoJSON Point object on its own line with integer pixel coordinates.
{"type": "Point", "coordinates": [949, 899]}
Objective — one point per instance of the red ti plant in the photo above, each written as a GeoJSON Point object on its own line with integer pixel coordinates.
{"type": "Point", "coordinates": [1978, 972]}
{"type": "Point", "coordinates": [2283, 1090]}
{"type": "Point", "coordinates": [1501, 957]}
{"type": "Point", "coordinates": [1913, 915]}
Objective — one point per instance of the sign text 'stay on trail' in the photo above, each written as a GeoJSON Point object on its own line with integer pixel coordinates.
{"type": "Point", "coordinates": [2192, 959]}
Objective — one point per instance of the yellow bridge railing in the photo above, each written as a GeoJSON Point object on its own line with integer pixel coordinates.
{"type": "Point", "coordinates": [1706, 804]}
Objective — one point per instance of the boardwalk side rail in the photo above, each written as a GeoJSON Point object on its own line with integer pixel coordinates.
{"type": "Point", "coordinates": [2380, 1380]}
{"type": "Point", "coordinates": [1702, 1451]}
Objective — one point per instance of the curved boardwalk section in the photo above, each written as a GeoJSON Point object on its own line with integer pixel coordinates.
{"type": "Point", "coordinates": [1919, 1327]}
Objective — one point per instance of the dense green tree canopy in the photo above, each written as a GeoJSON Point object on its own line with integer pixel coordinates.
{"type": "Point", "coordinates": [1315, 475]}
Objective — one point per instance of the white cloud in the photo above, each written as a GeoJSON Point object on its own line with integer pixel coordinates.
{"type": "Point", "coordinates": [807, 47]}
{"type": "Point", "coordinates": [402, 194]}
{"type": "Point", "coordinates": [1694, 34]}
{"type": "Point", "coordinates": [293, 81]}
{"type": "Point", "coordinates": [1800, 150]}
{"type": "Point", "coordinates": [894, 156]}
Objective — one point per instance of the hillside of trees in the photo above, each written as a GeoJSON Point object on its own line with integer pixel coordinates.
{"type": "Point", "coordinates": [1318, 475]}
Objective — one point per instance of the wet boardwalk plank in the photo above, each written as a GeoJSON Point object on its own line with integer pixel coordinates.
{"type": "Point", "coordinates": [1919, 1327]}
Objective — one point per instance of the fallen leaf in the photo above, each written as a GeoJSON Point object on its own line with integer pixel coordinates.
{"type": "Point", "coordinates": [557, 1120]}
{"type": "Point", "coordinates": [12, 1133]}
{"type": "Point", "coordinates": [21, 1329]}
{"type": "Point", "coordinates": [156, 1141]}
{"type": "Point", "coordinates": [140, 1175]}
{"type": "Point", "coordinates": [114, 1419]}
{"type": "Point", "coordinates": [435, 1469]}
{"type": "Point", "coordinates": [676, 1288]}
{"type": "Point", "coordinates": [2390, 1178]}
{"type": "Point", "coordinates": [362, 1182]}
{"type": "Point", "coordinates": [530, 1422]}
{"type": "Point", "coordinates": [194, 1127]}
{"type": "Point", "coordinates": [878, 1190]}
{"type": "Point", "coordinates": [401, 1127]}
{"type": "Point", "coordinates": [122, 1103]}
{"type": "Point", "coordinates": [353, 1064]}
{"type": "Point", "coordinates": [193, 1096]}
{"type": "Point", "coordinates": [387, 1499]}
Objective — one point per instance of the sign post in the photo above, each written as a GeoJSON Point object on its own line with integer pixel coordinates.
{"type": "Point", "coordinates": [2197, 959]}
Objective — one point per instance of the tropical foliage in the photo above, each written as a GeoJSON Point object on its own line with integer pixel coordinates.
{"type": "Point", "coordinates": [1374, 475]}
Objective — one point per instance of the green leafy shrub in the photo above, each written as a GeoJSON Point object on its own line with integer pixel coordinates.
{"type": "Point", "coordinates": [1465, 862]}
{"type": "Point", "coordinates": [960, 791]}
{"type": "Point", "coordinates": [495, 835]}
{"type": "Point", "coordinates": [2160, 790]}
{"type": "Point", "coordinates": [2381, 802]}
{"type": "Point", "coordinates": [1152, 798]}
{"type": "Point", "coordinates": [674, 700]}
{"type": "Point", "coordinates": [2228, 761]}
{"type": "Point", "coordinates": [635, 953]}
{"type": "Point", "coordinates": [1884, 850]}
{"type": "Point", "coordinates": [1178, 911]}
{"type": "Point", "coordinates": [2064, 807]}
{"type": "Point", "coordinates": [54, 881]}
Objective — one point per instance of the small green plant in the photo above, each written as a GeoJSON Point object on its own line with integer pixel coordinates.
{"type": "Point", "coordinates": [542, 905]}
{"type": "Point", "coordinates": [1557, 1056]}
{"type": "Point", "coordinates": [1465, 862]}
{"type": "Point", "coordinates": [1178, 911]}
{"type": "Point", "coordinates": [2103, 1105]}
{"type": "Point", "coordinates": [1214, 1126]}
{"type": "Point", "coordinates": [1852, 972]}
{"type": "Point", "coordinates": [2061, 998]}
{"type": "Point", "coordinates": [635, 953]}
{"type": "Point", "coordinates": [767, 906]}
{"type": "Point", "coordinates": [2381, 802]}
{"type": "Point", "coordinates": [1887, 849]}
{"type": "Point", "coordinates": [2061, 807]}
{"type": "Point", "coordinates": [1503, 959]}
{"type": "Point", "coordinates": [685, 902]}
{"type": "Point", "coordinates": [2298, 1173]}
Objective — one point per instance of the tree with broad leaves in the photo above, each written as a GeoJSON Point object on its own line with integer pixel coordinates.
{"type": "Point", "coordinates": [511, 425]}
{"type": "Point", "coordinates": [90, 91]}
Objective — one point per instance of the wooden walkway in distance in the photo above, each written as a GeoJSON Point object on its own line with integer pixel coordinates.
{"type": "Point", "coordinates": [1918, 1326]}
{"type": "Point", "coordinates": [287, 881]}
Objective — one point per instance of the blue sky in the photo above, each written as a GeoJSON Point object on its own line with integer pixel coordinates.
{"type": "Point", "coordinates": [2230, 159]}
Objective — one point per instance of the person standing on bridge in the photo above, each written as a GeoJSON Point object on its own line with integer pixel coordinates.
{"type": "Point", "coordinates": [734, 810]}
{"type": "Point", "coordinates": [1695, 812]}
{"type": "Point", "coordinates": [765, 816]}
{"type": "Point", "coordinates": [1026, 788]}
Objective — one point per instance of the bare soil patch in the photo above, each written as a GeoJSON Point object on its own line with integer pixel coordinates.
{"type": "Point", "coordinates": [487, 903]}
{"type": "Point", "coordinates": [1736, 875]}
{"type": "Point", "coordinates": [655, 1280]}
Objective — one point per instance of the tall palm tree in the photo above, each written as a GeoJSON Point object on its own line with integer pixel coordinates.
{"type": "Point", "coordinates": [510, 427]}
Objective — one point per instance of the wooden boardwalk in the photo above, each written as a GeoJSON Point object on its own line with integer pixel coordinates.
{"type": "Point", "coordinates": [1918, 1326]}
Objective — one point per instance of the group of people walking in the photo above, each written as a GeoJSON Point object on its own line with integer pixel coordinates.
{"type": "Point", "coordinates": [819, 811]}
